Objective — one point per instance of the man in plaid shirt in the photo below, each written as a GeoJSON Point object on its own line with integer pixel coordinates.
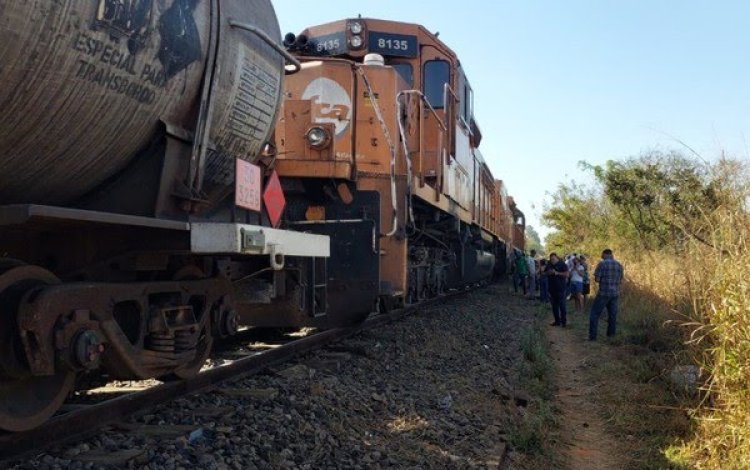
{"type": "Point", "coordinates": [609, 276]}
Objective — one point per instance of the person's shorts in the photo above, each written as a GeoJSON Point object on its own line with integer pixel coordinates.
{"type": "Point", "coordinates": [576, 288]}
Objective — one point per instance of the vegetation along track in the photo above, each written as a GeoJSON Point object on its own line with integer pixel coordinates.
{"type": "Point", "coordinates": [84, 420]}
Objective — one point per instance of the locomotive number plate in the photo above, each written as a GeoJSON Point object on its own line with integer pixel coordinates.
{"type": "Point", "coordinates": [401, 45]}
{"type": "Point", "coordinates": [247, 193]}
{"type": "Point", "coordinates": [330, 44]}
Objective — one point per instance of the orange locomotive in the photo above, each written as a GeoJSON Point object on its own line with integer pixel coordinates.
{"type": "Point", "coordinates": [378, 149]}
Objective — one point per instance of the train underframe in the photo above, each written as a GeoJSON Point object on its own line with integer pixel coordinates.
{"type": "Point", "coordinates": [87, 297]}
{"type": "Point", "coordinates": [447, 253]}
{"type": "Point", "coordinates": [443, 252]}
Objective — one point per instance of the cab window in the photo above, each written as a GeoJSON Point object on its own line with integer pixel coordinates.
{"type": "Point", "coordinates": [468, 100]}
{"type": "Point", "coordinates": [436, 74]}
{"type": "Point", "coordinates": [406, 72]}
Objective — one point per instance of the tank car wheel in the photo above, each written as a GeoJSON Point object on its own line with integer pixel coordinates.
{"type": "Point", "coordinates": [205, 342]}
{"type": "Point", "coordinates": [26, 401]}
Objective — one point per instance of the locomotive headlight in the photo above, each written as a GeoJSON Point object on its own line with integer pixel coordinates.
{"type": "Point", "coordinates": [318, 138]}
{"type": "Point", "coordinates": [356, 42]}
{"type": "Point", "coordinates": [356, 27]}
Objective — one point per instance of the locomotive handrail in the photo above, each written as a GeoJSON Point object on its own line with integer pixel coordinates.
{"type": "Point", "coordinates": [443, 131]}
{"type": "Point", "coordinates": [391, 147]}
{"type": "Point", "coordinates": [424, 99]}
{"type": "Point", "coordinates": [291, 60]}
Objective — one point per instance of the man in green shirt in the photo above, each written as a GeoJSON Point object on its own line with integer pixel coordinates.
{"type": "Point", "coordinates": [521, 270]}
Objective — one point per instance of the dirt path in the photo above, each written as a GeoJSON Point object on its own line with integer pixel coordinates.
{"type": "Point", "coordinates": [586, 440]}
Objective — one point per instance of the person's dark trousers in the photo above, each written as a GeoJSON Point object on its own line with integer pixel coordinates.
{"type": "Point", "coordinates": [544, 289]}
{"type": "Point", "coordinates": [600, 303]}
{"type": "Point", "coordinates": [559, 307]}
{"type": "Point", "coordinates": [516, 281]}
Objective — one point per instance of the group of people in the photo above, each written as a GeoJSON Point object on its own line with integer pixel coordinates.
{"type": "Point", "coordinates": [560, 279]}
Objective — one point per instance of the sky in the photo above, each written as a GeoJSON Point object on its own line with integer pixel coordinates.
{"type": "Point", "coordinates": [559, 82]}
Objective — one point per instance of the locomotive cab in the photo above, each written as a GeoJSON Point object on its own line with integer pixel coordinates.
{"type": "Point", "coordinates": [406, 131]}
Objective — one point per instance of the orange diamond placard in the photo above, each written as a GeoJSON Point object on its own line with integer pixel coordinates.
{"type": "Point", "coordinates": [274, 199]}
{"type": "Point", "coordinates": [247, 186]}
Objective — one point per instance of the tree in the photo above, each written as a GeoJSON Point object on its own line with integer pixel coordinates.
{"type": "Point", "coordinates": [533, 240]}
{"type": "Point", "coordinates": [656, 201]}
{"type": "Point", "coordinates": [663, 196]}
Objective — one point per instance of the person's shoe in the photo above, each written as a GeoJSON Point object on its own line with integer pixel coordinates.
{"type": "Point", "coordinates": [554, 324]}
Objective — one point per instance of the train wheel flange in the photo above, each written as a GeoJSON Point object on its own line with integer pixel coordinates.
{"type": "Point", "coordinates": [26, 401]}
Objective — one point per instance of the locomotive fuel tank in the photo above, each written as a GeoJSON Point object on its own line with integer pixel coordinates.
{"type": "Point", "coordinates": [86, 84]}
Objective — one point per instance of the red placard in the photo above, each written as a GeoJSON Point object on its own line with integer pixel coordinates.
{"type": "Point", "coordinates": [247, 191]}
{"type": "Point", "coordinates": [274, 199]}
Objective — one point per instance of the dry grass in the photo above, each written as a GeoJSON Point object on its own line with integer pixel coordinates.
{"type": "Point", "coordinates": [721, 345]}
{"type": "Point", "coordinates": [692, 309]}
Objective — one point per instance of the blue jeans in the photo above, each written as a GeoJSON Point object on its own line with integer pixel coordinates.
{"type": "Point", "coordinates": [559, 307]}
{"type": "Point", "coordinates": [600, 303]}
{"type": "Point", "coordinates": [516, 281]}
{"type": "Point", "coordinates": [532, 285]}
{"type": "Point", "coordinates": [544, 289]}
{"type": "Point", "coordinates": [519, 281]}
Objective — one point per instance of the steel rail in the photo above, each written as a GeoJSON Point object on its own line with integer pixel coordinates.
{"type": "Point", "coordinates": [84, 422]}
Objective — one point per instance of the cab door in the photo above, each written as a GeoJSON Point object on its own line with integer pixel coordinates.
{"type": "Point", "coordinates": [436, 143]}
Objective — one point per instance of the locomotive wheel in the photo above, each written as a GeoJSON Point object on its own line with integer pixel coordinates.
{"type": "Point", "coordinates": [205, 341]}
{"type": "Point", "coordinates": [26, 401]}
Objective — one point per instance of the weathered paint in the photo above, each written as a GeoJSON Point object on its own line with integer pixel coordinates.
{"type": "Point", "coordinates": [85, 85]}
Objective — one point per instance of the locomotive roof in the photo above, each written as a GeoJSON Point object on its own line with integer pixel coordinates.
{"type": "Point", "coordinates": [376, 25]}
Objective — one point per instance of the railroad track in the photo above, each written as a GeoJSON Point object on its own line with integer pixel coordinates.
{"type": "Point", "coordinates": [85, 420]}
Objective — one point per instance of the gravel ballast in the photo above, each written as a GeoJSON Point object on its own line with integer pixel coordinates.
{"type": "Point", "coordinates": [438, 389]}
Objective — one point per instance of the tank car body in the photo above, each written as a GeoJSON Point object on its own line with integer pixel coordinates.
{"type": "Point", "coordinates": [137, 203]}
{"type": "Point", "coordinates": [378, 130]}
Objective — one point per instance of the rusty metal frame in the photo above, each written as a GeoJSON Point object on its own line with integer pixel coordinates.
{"type": "Point", "coordinates": [41, 310]}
